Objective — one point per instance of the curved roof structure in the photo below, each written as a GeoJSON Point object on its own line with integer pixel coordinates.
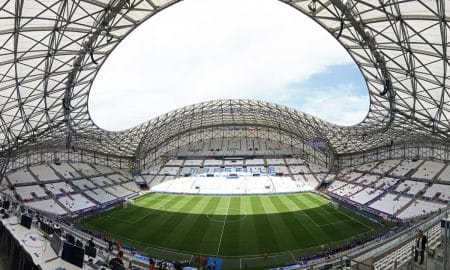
{"type": "Point", "coordinates": [52, 50]}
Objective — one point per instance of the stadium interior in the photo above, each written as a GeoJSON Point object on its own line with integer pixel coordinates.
{"type": "Point", "coordinates": [224, 184]}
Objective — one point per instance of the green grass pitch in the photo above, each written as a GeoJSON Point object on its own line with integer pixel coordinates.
{"type": "Point", "coordinates": [231, 226]}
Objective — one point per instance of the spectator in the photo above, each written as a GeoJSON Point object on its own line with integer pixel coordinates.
{"type": "Point", "coordinates": [421, 242]}
{"type": "Point", "coordinates": [91, 242]}
{"type": "Point", "coordinates": [117, 261]}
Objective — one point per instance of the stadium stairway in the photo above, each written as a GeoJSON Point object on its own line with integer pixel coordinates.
{"type": "Point", "coordinates": [375, 199]}
{"type": "Point", "coordinates": [35, 177]}
{"type": "Point", "coordinates": [404, 207]}
{"type": "Point", "coordinates": [435, 179]}
{"type": "Point", "coordinates": [53, 197]}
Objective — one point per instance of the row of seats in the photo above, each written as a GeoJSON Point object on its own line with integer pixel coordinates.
{"type": "Point", "coordinates": [61, 195]}
{"type": "Point", "coordinates": [401, 255]}
{"type": "Point", "coordinates": [417, 169]}
{"type": "Point", "coordinates": [68, 171]}
{"type": "Point", "coordinates": [224, 185]}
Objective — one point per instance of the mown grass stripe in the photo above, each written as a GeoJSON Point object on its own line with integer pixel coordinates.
{"type": "Point", "coordinates": [273, 223]}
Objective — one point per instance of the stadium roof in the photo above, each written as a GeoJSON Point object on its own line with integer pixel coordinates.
{"type": "Point", "coordinates": [51, 51]}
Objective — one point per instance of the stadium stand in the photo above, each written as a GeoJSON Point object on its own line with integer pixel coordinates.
{"type": "Point", "coordinates": [405, 167]}
{"type": "Point", "coordinates": [390, 203]}
{"type": "Point", "coordinates": [99, 195]}
{"type": "Point", "coordinates": [385, 166]}
{"type": "Point", "coordinates": [31, 192]}
{"type": "Point", "coordinates": [47, 206]}
{"type": "Point", "coordinates": [22, 176]}
{"type": "Point", "coordinates": [67, 171]}
{"type": "Point", "coordinates": [420, 208]}
{"type": "Point", "coordinates": [410, 187]}
{"type": "Point", "coordinates": [83, 184]}
{"type": "Point", "coordinates": [445, 175]}
{"type": "Point", "coordinates": [44, 173]}
{"type": "Point", "coordinates": [85, 169]}
{"type": "Point", "coordinates": [428, 170]}
{"type": "Point", "coordinates": [59, 188]}
{"type": "Point", "coordinates": [438, 191]}
{"type": "Point", "coordinates": [76, 202]}
{"type": "Point", "coordinates": [366, 195]}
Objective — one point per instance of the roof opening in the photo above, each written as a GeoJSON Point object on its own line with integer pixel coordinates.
{"type": "Point", "coordinates": [200, 50]}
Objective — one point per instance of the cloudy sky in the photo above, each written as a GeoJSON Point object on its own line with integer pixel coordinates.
{"type": "Point", "coordinates": [200, 50]}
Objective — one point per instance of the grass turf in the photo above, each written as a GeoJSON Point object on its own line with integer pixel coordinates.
{"type": "Point", "coordinates": [228, 226]}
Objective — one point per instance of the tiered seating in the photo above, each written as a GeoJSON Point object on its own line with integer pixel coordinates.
{"type": "Point", "coordinates": [84, 184]}
{"type": "Point", "coordinates": [352, 176]}
{"type": "Point", "coordinates": [294, 161]}
{"type": "Point", "coordinates": [48, 206]}
{"type": "Point", "coordinates": [125, 174]}
{"type": "Point", "coordinates": [233, 162]}
{"type": "Point", "coordinates": [284, 184]}
{"type": "Point", "coordinates": [439, 190]}
{"type": "Point", "coordinates": [275, 161]}
{"type": "Point", "coordinates": [368, 166]}
{"type": "Point", "coordinates": [103, 169]}
{"type": "Point", "coordinates": [118, 178]}
{"type": "Point", "coordinates": [272, 170]}
{"type": "Point", "coordinates": [404, 167]}
{"type": "Point", "coordinates": [386, 182]}
{"type": "Point", "coordinates": [314, 168]}
{"type": "Point", "coordinates": [256, 169]}
{"type": "Point", "coordinates": [212, 162]}
{"type": "Point", "coordinates": [385, 166]}
{"type": "Point", "coordinates": [66, 170]}
{"type": "Point", "coordinates": [305, 184]}
{"type": "Point", "coordinates": [390, 203]}
{"type": "Point", "coordinates": [445, 175]}
{"type": "Point", "coordinates": [400, 256]}
{"type": "Point", "coordinates": [118, 191]}
{"type": "Point", "coordinates": [131, 186]}
{"type": "Point", "coordinates": [157, 179]}
{"type": "Point", "coordinates": [76, 202]}
{"type": "Point", "coordinates": [420, 208]}
{"type": "Point", "coordinates": [152, 170]}
{"type": "Point", "coordinates": [215, 145]}
{"type": "Point", "coordinates": [101, 181]}
{"type": "Point", "coordinates": [254, 162]}
{"type": "Point", "coordinates": [223, 185]}
{"type": "Point", "coordinates": [428, 170]}
{"type": "Point", "coordinates": [193, 162]}
{"type": "Point", "coordinates": [59, 188]}
{"type": "Point", "coordinates": [21, 177]}
{"type": "Point", "coordinates": [175, 162]}
{"type": "Point", "coordinates": [296, 169]}
{"type": "Point", "coordinates": [347, 190]}
{"type": "Point", "coordinates": [169, 171]}
{"type": "Point", "coordinates": [26, 192]}
{"type": "Point", "coordinates": [85, 169]}
{"type": "Point", "coordinates": [367, 180]}
{"type": "Point", "coordinates": [411, 187]}
{"type": "Point", "coordinates": [329, 177]}
{"type": "Point", "coordinates": [335, 185]}
{"type": "Point", "coordinates": [311, 180]}
{"type": "Point", "coordinates": [44, 173]}
{"type": "Point", "coordinates": [366, 195]}
{"type": "Point", "coordinates": [100, 196]}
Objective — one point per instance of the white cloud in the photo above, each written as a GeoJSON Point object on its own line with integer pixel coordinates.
{"type": "Point", "coordinates": [199, 50]}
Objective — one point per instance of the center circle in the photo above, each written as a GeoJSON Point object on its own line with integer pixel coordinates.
{"type": "Point", "coordinates": [226, 215]}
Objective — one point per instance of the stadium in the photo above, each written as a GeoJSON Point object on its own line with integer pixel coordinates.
{"type": "Point", "coordinates": [227, 183]}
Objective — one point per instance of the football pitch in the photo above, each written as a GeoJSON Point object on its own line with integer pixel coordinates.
{"type": "Point", "coordinates": [232, 226]}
